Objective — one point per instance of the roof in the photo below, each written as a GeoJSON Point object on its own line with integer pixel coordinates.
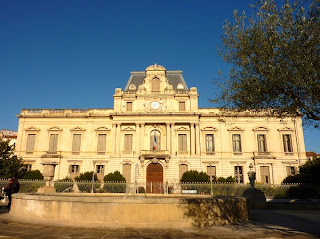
{"type": "Point", "coordinates": [174, 78]}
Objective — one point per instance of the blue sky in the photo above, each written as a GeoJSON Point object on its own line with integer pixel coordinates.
{"type": "Point", "coordinates": [73, 54]}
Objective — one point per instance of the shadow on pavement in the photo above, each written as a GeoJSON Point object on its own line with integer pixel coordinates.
{"type": "Point", "coordinates": [271, 218]}
{"type": "Point", "coordinates": [3, 209]}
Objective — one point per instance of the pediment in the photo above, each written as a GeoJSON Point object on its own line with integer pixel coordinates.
{"type": "Point", "coordinates": [77, 129]}
{"type": "Point", "coordinates": [236, 128]}
{"type": "Point", "coordinates": [102, 129]}
{"type": "Point", "coordinates": [182, 129]}
{"type": "Point", "coordinates": [55, 128]}
{"type": "Point", "coordinates": [209, 129]}
{"type": "Point", "coordinates": [32, 129]}
{"type": "Point", "coordinates": [128, 129]}
{"type": "Point", "coordinates": [260, 128]}
{"type": "Point", "coordinates": [285, 129]}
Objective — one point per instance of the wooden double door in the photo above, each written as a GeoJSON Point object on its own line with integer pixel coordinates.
{"type": "Point", "coordinates": [155, 178]}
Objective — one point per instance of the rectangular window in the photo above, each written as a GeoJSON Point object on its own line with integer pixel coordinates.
{"type": "Point", "coordinates": [265, 174]}
{"type": "Point", "coordinates": [74, 170]}
{"type": "Point", "coordinates": [262, 143]}
{"type": "Point", "coordinates": [182, 106]}
{"type": "Point", "coordinates": [182, 141]}
{"type": "Point", "coordinates": [53, 143]}
{"type": "Point", "coordinates": [287, 143]}
{"type": "Point", "coordinates": [291, 170]}
{"type": "Point", "coordinates": [238, 174]}
{"type": "Point", "coordinates": [209, 143]}
{"type": "Point", "coordinates": [100, 169]}
{"type": "Point", "coordinates": [102, 139]}
{"type": "Point", "coordinates": [28, 167]}
{"type": "Point", "coordinates": [76, 143]}
{"type": "Point", "coordinates": [211, 171]}
{"type": "Point", "coordinates": [128, 143]}
{"type": "Point", "coordinates": [126, 172]}
{"type": "Point", "coordinates": [182, 169]}
{"type": "Point", "coordinates": [30, 143]}
{"type": "Point", "coordinates": [236, 143]}
{"type": "Point", "coordinates": [129, 106]}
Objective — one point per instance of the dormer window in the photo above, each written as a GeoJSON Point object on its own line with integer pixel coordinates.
{"type": "Point", "coordinates": [155, 85]}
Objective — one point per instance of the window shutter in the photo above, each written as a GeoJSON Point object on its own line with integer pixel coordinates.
{"type": "Point", "coordinates": [76, 143]}
{"type": "Point", "coordinates": [128, 142]}
{"type": "Point", "coordinates": [129, 106]}
{"type": "Point", "coordinates": [30, 143]}
{"type": "Point", "coordinates": [182, 106]}
{"type": "Point", "coordinates": [53, 143]}
{"type": "Point", "coordinates": [155, 85]}
{"type": "Point", "coordinates": [126, 171]}
{"type": "Point", "coordinates": [182, 169]}
{"type": "Point", "coordinates": [102, 139]}
{"type": "Point", "coordinates": [211, 170]}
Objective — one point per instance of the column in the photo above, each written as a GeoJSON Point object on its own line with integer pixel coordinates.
{"type": "Point", "coordinates": [198, 150]}
{"type": "Point", "coordinates": [168, 137]}
{"type": "Point", "coordinates": [137, 141]}
{"type": "Point", "coordinates": [118, 138]}
{"type": "Point", "coordinates": [114, 134]}
{"type": "Point", "coordinates": [142, 137]}
{"type": "Point", "coordinates": [192, 141]}
{"type": "Point", "coordinates": [172, 139]}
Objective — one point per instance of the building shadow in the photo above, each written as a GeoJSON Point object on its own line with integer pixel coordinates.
{"type": "Point", "coordinates": [281, 221]}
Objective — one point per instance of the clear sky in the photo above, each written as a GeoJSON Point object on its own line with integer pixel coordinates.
{"type": "Point", "coordinates": [74, 53]}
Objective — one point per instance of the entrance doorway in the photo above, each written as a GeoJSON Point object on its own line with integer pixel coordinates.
{"type": "Point", "coordinates": [154, 178]}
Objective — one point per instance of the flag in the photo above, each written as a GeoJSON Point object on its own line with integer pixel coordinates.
{"type": "Point", "coordinates": [155, 141]}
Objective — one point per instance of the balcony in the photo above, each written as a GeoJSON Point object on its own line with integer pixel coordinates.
{"type": "Point", "coordinates": [154, 153]}
{"type": "Point", "coordinates": [48, 154]}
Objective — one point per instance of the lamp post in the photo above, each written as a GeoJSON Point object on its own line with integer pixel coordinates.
{"type": "Point", "coordinates": [211, 187]}
{"type": "Point", "coordinates": [94, 167]}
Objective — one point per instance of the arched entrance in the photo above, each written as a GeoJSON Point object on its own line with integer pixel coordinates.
{"type": "Point", "coordinates": [154, 178]}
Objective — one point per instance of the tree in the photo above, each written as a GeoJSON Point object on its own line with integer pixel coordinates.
{"type": "Point", "coordinates": [10, 164]}
{"type": "Point", "coordinates": [86, 176]}
{"type": "Point", "coordinates": [275, 59]}
{"type": "Point", "coordinates": [193, 176]}
{"type": "Point", "coordinates": [114, 177]}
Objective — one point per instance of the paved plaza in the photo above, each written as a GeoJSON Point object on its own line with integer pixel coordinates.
{"type": "Point", "coordinates": [270, 224]}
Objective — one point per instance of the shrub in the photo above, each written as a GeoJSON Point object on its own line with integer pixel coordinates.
{"type": "Point", "coordinates": [33, 174]}
{"type": "Point", "coordinates": [229, 179]}
{"type": "Point", "coordinates": [114, 177]}
{"type": "Point", "coordinates": [87, 176]}
{"type": "Point", "coordinates": [193, 176]}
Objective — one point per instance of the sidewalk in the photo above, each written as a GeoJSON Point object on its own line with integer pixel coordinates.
{"type": "Point", "coordinates": [263, 224]}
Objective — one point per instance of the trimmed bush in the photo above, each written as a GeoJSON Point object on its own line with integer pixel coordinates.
{"type": "Point", "coordinates": [33, 174]}
{"type": "Point", "coordinates": [87, 176]}
{"type": "Point", "coordinates": [114, 177]}
{"type": "Point", "coordinates": [229, 179]}
{"type": "Point", "coordinates": [193, 176]}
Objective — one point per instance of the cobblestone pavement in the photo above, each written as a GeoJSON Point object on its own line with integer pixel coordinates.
{"type": "Point", "coordinates": [253, 229]}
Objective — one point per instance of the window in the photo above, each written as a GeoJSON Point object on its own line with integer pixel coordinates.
{"type": "Point", "coordinates": [262, 143]}
{"type": "Point", "coordinates": [182, 141]}
{"type": "Point", "coordinates": [129, 106]}
{"type": "Point", "coordinates": [211, 171]}
{"type": "Point", "coordinates": [238, 174]}
{"type": "Point", "coordinates": [155, 88]}
{"type": "Point", "coordinates": [236, 143]}
{"type": "Point", "coordinates": [265, 174]}
{"type": "Point", "coordinates": [209, 143]}
{"type": "Point", "coordinates": [76, 143]}
{"type": "Point", "coordinates": [30, 143]}
{"type": "Point", "coordinates": [53, 143]}
{"type": "Point", "coordinates": [102, 138]}
{"type": "Point", "coordinates": [74, 170]}
{"type": "Point", "coordinates": [291, 170]}
{"type": "Point", "coordinates": [182, 106]}
{"type": "Point", "coordinates": [28, 167]}
{"type": "Point", "coordinates": [126, 172]}
{"type": "Point", "coordinates": [155, 142]}
{"type": "Point", "coordinates": [100, 172]}
{"type": "Point", "coordinates": [182, 169]}
{"type": "Point", "coordinates": [128, 143]}
{"type": "Point", "coordinates": [287, 144]}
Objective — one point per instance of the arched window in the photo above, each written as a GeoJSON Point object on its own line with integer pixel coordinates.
{"type": "Point", "coordinates": [155, 87]}
{"type": "Point", "coordinates": [155, 142]}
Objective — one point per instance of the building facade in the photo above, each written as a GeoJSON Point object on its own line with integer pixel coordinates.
{"type": "Point", "coordinates": [156, 132]}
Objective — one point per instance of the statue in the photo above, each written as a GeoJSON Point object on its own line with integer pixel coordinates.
{"type": "Point", "coordinates": [252, 178]}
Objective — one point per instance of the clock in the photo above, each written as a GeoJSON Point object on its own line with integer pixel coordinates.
{"type": "Point", "coordinates": [155, 105]}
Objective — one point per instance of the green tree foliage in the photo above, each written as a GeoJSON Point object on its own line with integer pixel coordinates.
{"type": "Point", "coordinates": [229, 179]}
{"type": "Point", "coordinates": [114, 177]}
{"type": "Point", "coordinates": [10, 164]}
{"type": "Point", "coordinates": [275, 61]}
{"type": "Point", "coordinates": [308, 173]}
{"type": "Point", "coordinates": [86, 176]}
{"type": "Point", "coordinates": [194, 176]}
{"type": "Point", "coordinates": [33, 174]}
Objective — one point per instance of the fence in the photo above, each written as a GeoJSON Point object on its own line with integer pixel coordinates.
{"type": "Point", "coordinates": [215, 189]}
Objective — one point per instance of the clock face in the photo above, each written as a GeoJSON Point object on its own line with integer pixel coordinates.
{"type": "Point", "coordinates": [155, 105]}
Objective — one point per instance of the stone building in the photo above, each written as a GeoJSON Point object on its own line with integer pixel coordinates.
{"type": "Point", "coordinates": [156, 132]}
